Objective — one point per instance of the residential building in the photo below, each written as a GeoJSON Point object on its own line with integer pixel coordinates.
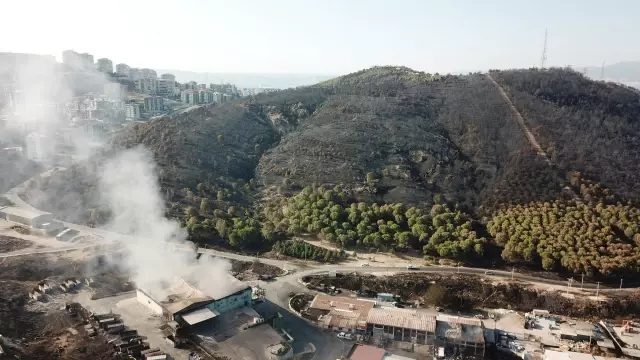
{"type": "Point", "coordinates": [146, 86]}
{"type": "Point", "coordinates": [154, 104]}
{"type": "Point", "coordinates": [191, 85]}
{"type": "Point", "coordinates": [205, 97]}
{"type": "Point", "coordinates": [115, 91]}
{"type": "Point", "coordinates": [71, 58]}
{"type": "Point", "coordinates": [202, 86]}
{"type": "Point", "coordinates": [149, 74]}
{"type": "Point", "coordinates": [123, 70]}
{"type": "Point", "coordinates": [132, 112]}
{"type": "Point", "coordinates": [227, 97]}
{"type": "Point", "coordinates": [166, 87]}
{"type": "Point", "coordinates": [105, 65]}
{"type": "Point", "coordinates": [190, 97]}
{"type": "Point", "coordinates": [87, 60]}
{"type": "Point", "coordinates": [217, 97]}
{"type": "Point", "coordinates": [169, 77]}
{"type": "Point", "coordinates": [135, 74]}
{"type": "Point", "coordinates": [40, 147]}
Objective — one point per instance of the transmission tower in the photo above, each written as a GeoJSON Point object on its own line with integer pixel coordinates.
{"type": "Point", "coordinates": [544, 51]}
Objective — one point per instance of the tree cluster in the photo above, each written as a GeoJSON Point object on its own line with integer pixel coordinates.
{"type": "Point", "coordinates": [303, 250]}
{"type": "Point", "coordinates": [390, 226]}
{"type": "Point", "coordinates": [563, 235]}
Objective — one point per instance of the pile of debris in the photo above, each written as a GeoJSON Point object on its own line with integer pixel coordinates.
{"type": "Point", "coordinates": [125, 342]}
{"type": "Point", "coordinates": [49, 287]}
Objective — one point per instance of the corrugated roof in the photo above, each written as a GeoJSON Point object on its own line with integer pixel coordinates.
{"type": "Point", "coordinates": [326, 302]}
{"type": "Point", "coordinates": [402, 318]}
{"type": "Point", "coordinates": [367, 352]}
{"type": "Point", "coordinates": [198, 316]}
{"type": "Point", "coordinates": [24, 213]}
{"type": "Point", "coordinates": [459, 320]}
{"type": "Point", "coordinates": [459, 328]}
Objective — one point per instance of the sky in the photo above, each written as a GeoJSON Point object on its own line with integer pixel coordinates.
{"type": "Point", "coordinates": [327, 36]}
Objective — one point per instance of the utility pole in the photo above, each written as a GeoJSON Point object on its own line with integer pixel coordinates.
{"type": "Point", "coordinates": [582, 281]}
{"type": "Point", "coordinates": [543, 58]}
{"type": "Point", "coordinates": [597, 290]}
{"type": "Point", "coordinates": [512, 271]}
{"type": "Point", "coordinates": [620, 283]}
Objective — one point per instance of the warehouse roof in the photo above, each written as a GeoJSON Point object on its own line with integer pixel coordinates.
{"type": "Point", "coordinates": [326, 302]}
{"type": "Point", "coordinates": [178, 295]}
{"type": "Point", "coordinates": [198, 316]}
{"type": "Point", "coordinates": [402, 318]}
{"type": "Point", "coordinates": [460, 328]}
{"type": "Point", "coordinates": [23, 213]}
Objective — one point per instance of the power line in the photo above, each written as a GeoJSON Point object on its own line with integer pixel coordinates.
{"type": "Point", "coordinates": [544, 51]}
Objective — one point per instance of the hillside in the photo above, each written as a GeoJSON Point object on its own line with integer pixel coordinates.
{"type": "Point", "coordinates": [446, 156]}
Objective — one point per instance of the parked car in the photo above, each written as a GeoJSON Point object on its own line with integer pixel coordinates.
{"type": "Point", "coordinates": [343, 335]}
{"type": "Point", "coordinates": [488, 272]}
{"type": "Point", "coordinates": [364, 264]}
{"type": "Point", "coordinates": [413, 267]}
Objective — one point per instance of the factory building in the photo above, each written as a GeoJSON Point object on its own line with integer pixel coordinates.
{"type": "Point", "coordinates": [31, 218]}
{"type": "Point", "coordinates": [184, 305]}
{"type": "Point", "coordinates": [460, 335]}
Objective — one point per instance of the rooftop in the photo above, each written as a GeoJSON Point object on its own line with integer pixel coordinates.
{"type": "Point", "coordinates": [326, 302]}
{"type": "Point", "coordinates": [402, 318]}
{"type": "Point", "coordinates": [178, 294]}
{"type": "Point", "coordinates": [459, 328]}
{"type": "Point", "coordinates": [24, 213]}
{"type": "Point", "coordinates": [367, 352]}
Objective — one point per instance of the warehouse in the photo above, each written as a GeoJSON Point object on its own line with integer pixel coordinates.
{"type": "Point", "coordinates": [340, 313]}
{"type": "Point", "coordinates": [401, 325]}
{"type": "Point", "coordinates": [184, 305]}
{"type": "Point", "coordinates": [32, 218]}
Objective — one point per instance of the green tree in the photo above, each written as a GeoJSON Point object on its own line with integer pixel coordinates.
{"type": "Point", "coordinates": [220, 138]}
{"type": "Point", "coordinates": [220, 195]}
{"type": "Point", "coordinates": [204, 206]}
{"type": "Point", "coordinates": [190, 211]}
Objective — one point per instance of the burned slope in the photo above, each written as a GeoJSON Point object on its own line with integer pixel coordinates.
{"type": "Point", "coordinates": [583, 125]}
{"type": "Point", "coordinates": [396, 135]}
{"type": "Point", "coordinates": [218, 145]}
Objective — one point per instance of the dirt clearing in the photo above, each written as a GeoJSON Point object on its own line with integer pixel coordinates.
{"type": "Point", "coordinates": [8, 244]}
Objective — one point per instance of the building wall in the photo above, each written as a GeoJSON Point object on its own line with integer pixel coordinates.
{"type": "Point", "coordinates": [148, 302]}
{"type": "Point", "coordinates": [232, 302]}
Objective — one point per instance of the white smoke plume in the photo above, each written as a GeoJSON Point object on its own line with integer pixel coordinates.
{"type": "Point", "coordinates": [130, 188]}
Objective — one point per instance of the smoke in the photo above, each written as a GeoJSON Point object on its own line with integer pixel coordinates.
{"type": "Point", "coordinates": [128, 185]}
{"type": "Point", "coordinates": [36, 92]}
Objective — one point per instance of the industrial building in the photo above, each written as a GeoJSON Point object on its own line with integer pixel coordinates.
{"type": "Point", "coordinates": [401, 325]}
{"type": "Point", "coordinates": [32, 218]}
{"type": "Point", "coordinates": [184, 305]}
{"type": "Point", "coordinates": [340, 313]}
{"type": "Point", "coordinates": [460, 335]}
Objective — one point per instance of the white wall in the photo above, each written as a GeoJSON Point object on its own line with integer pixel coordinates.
{"type": "Point", "coordinates": [148, 302]}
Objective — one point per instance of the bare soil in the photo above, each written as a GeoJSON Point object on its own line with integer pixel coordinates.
{"type": "Point", "coordinates": [8, 244]}
{"type": "Point", "coordinates": [249, 269]}
{"type": "Point", "coordinates": [465, 292]}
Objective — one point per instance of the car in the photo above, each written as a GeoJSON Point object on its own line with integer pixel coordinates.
{"type": "Point", "coordinates": [488, 272]}
{"type": "Point", "coordinates": [438, 309]}
{"type": "Point", "coordinates": [364, 264]}
{"type": "Point", "coordinates": [341, 335]}
{"type": "Point", "coordinates": [412, 267]}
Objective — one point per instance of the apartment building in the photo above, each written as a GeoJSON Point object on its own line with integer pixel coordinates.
{"type": "Point", "coordinates": [105, 65]}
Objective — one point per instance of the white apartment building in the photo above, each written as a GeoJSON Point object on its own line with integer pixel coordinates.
{"type": "Point", "coordinates": [218, 97]}
{"type": "Point", "coordinates": [39, 147]}
{"type": "Point", "coordinates": [154, 104]}
{"type": "Point", "coordinates": [123, 70]}
{"type": "Point", "coordinates": [135, 74]}
{"type": "Point", "coordinates": [206, 97]}
{"type": "Point", "coordinates": [132, 112]}
{"type": "Point", "coordinates": [169, 77]}
{"type": "Point", "coordinates": [149, 74]}
{"type": "Point", "coordinates": [190, 97]}
{"type": "Point", "coordinates": [166, 86]}
{"type": "Point", "coordinates": [147, 86]}
{"type": "Point", "coordinates": [105, 65]}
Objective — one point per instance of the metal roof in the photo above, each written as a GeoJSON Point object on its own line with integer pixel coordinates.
{"type": "Point", "coordinates": [459, 320]}
{"type": "Point", "coordinates": [198, 316]}
{"type": "Point", "coordinates": [571, 355]}
{"type": "Point", "coordinates": [402, 318]}
{"type": "Point", "coordinates": [23, 213]}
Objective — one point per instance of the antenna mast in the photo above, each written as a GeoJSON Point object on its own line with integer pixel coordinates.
{"type": "Point", "coordinates": [544, 51]}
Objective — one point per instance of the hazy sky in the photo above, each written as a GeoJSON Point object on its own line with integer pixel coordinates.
{"type": "Point", "coordinates": [326, 36]}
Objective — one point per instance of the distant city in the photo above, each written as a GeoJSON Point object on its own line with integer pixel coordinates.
{"type": "Point", "coordinates": [104, 97]}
